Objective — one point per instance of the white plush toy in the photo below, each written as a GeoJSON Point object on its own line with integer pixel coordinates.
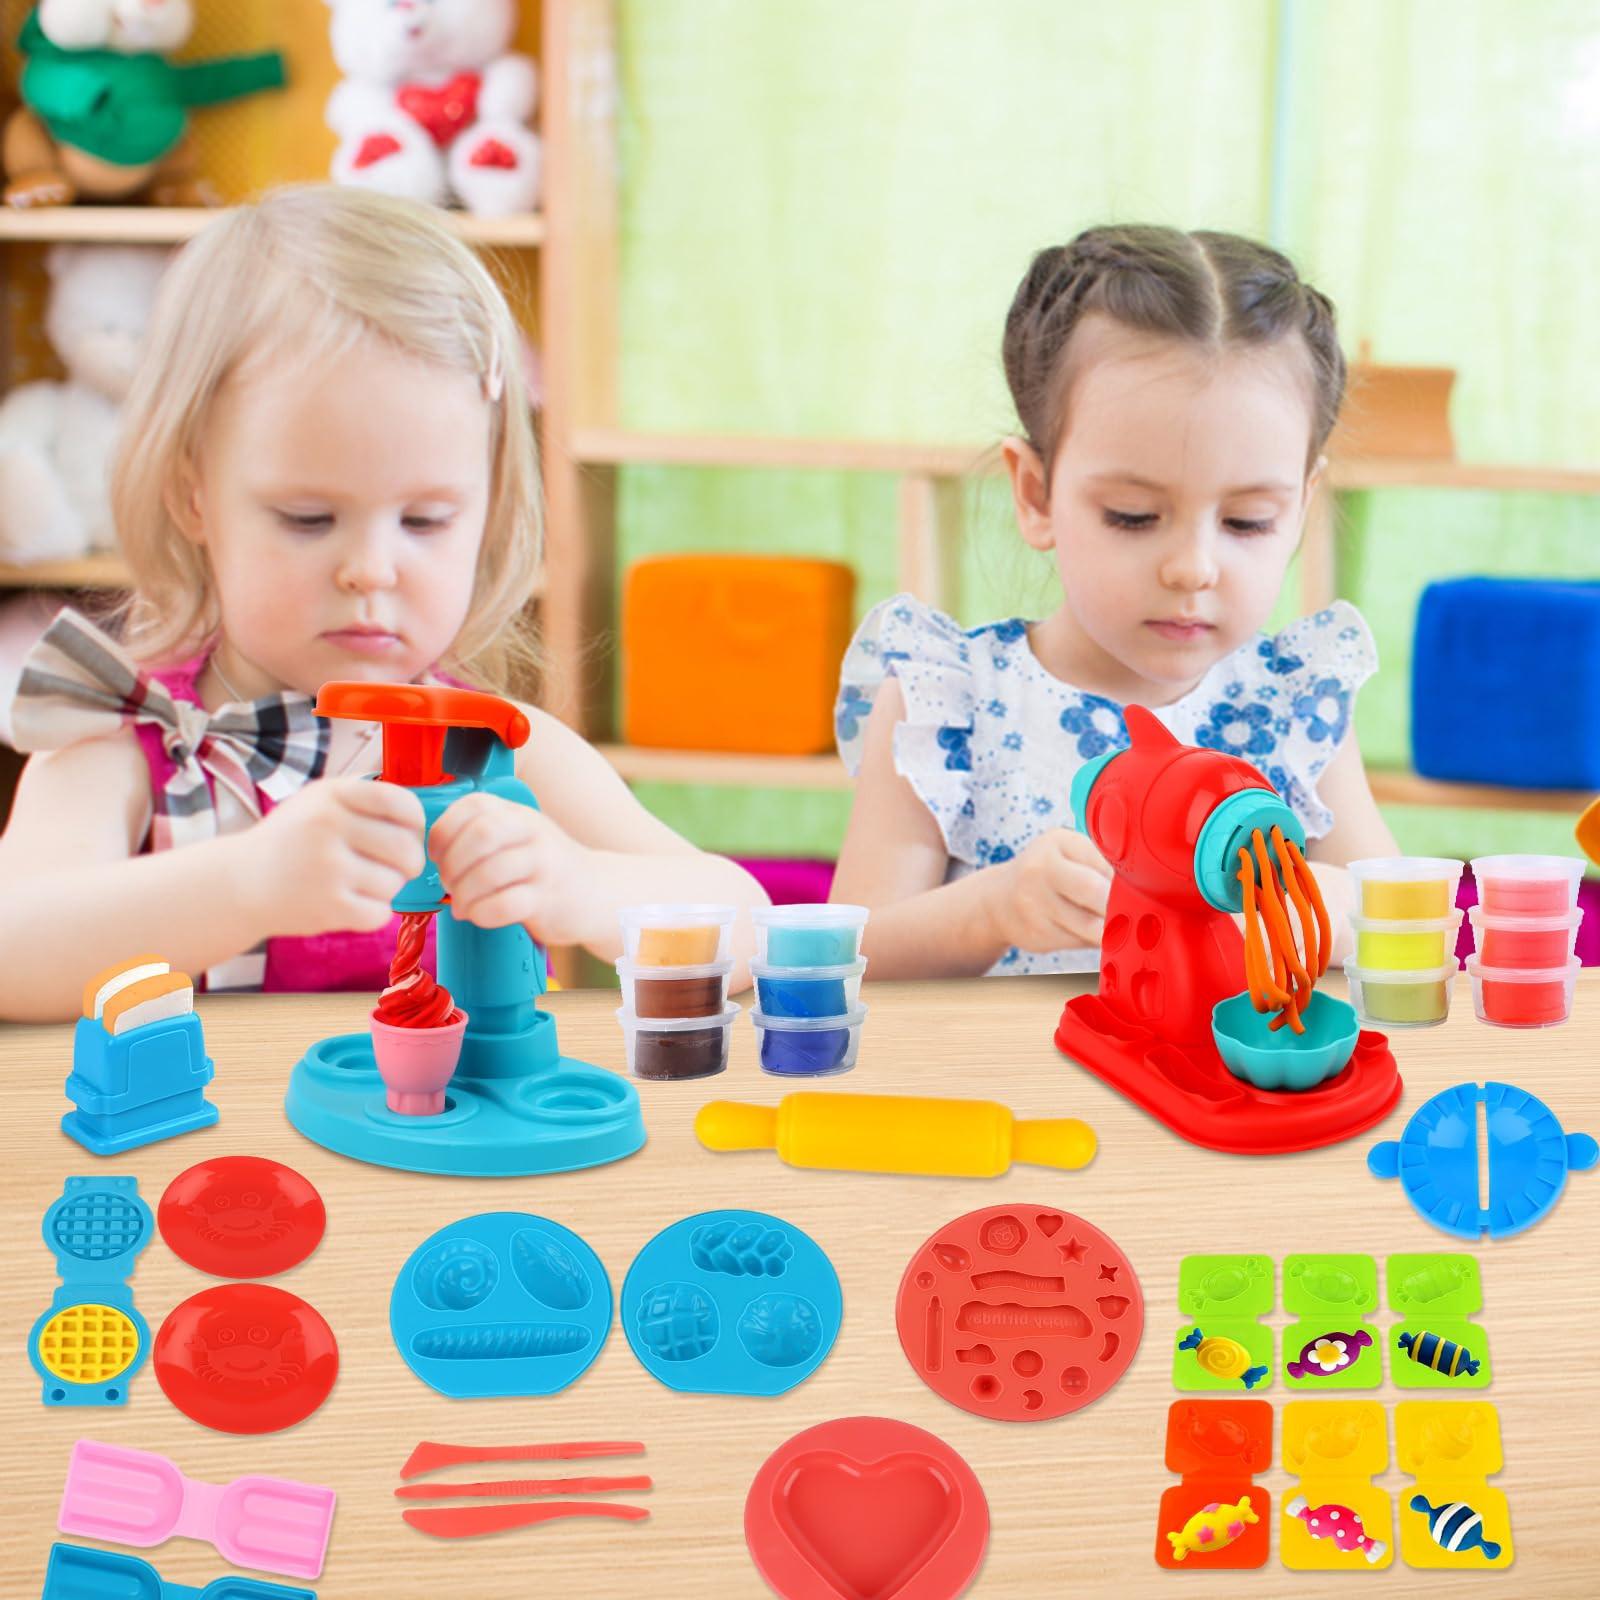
{"type": "Point", "coordinates": [56, 439]}
{"type": "Point", "coordinates": [433, 105]}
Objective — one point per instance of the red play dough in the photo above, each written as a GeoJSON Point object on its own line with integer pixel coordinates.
{"type": "Point", "coordinates": [241, 1217]}
{"type": "Point", "coordinates": [1019, 1313]}
{"type": "Point", "coordinates": [865, 1508]}
{"type": "Point", "coordinates": [245, 1358]}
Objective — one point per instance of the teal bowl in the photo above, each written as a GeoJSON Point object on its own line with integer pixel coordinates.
{"type": "Point", "coordinates": [1285, 1060]}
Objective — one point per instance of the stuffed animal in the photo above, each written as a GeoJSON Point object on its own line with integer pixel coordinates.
{"type": "Point", "coordinates": [104, 113]}
{"type": "Point", "coordinates": [56, 439]}
{"type": "Point", "coordinates": [433, 107]}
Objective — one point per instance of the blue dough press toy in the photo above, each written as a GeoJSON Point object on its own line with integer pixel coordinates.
{"type": "Point", "coordinates": [731, 1302]}
{"type": "Point", "coordinates": [90, 1343]}
{"type": "Point", "coordinates": [500, 1304]}
{"type": "Point", "coordinates": [1436, 1159]}
{"type": "Point", "coordinates": [517, 1106]}
{"type": "Point", "coordinates": [76, 1572]}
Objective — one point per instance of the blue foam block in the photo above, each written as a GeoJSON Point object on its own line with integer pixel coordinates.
{"type": "Point", "coordinates": [731, 1302]}
{"type": "Point", "coordinates": [1505, 683]}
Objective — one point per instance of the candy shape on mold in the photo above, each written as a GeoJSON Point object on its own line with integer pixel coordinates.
{"type": "Point", "coordinates": [1329, 1352]}
{"type": "Point", "coordinates": [1223, 1357]}
{"type": "Point", "coordinates": [1213, 1527]}
{"type": "Point", "coordinates": [1340, 1524]}
{"type": "Point", "coordinates": [1455, 1527]}
{"type": "Point", "coordinates": [1439, 1354]}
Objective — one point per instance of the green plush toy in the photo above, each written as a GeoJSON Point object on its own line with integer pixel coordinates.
{"type": "Point", "coordinates": [105, 113]}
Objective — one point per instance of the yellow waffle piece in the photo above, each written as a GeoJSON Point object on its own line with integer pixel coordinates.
{"type": "Point", "coordinates": [88, 1344]}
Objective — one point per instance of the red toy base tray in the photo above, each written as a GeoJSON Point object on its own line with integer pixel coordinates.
{"type": "Point", "coordinates": [865, 1508]}
{"type": "Point", "coordinates": [1019, 1313]}
{"type": "Point", "coordinates": [245, 1358]}
{"type": "Point", "coordinates": [1196, 1096]}
{"type": "Point", "coordinates": [241, 1217]}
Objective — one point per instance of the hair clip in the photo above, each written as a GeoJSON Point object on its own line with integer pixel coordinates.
{"type": "Point", "coordinates": [494, 382]}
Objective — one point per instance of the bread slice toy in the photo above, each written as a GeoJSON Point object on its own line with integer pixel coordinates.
{"type": "Point", "coordinates": [137, 992]}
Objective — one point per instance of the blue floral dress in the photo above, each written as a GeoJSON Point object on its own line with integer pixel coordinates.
{"type": "Point", "coordinates": [990, 740]}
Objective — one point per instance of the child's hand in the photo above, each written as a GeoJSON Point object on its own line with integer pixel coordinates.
{"type": "Point", "coordinates": [332, 857]}
{"type": "Point", "coordinates": [502, 863]}
{"type": "Point", "coordinates": [1052, 896]}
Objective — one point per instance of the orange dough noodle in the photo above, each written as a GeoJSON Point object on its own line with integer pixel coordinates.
{"type": "Point", "coordinates": [1279, 972]}
{"type": "Point", "coordinates": [414, 999]}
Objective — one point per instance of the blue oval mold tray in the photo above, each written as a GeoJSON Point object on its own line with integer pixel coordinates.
{"type": "Point", "coordinates": [731, 1302]}
{"type": "Point", "coordinates": [1528, 1157]}
{"type": "Point", "coordinates": [500, 1304]}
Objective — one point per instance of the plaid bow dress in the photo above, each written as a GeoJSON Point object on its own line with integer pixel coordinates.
{"type": "Point", "coordinates": [211, 772]}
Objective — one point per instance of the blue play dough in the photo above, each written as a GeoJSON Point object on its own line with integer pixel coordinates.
{"type": "Point", "coordinates": [793, 946]}
{"type": "Point", "coordinates": [1529, 1156]}
{"type": "Point", "coordinates": [797, 996]}
{"type": "Point", "coordinates": [501, 1304]}
{"type": "Point", "coordinates": [804, 1054]}
{"type": "Point", "coordinates": [731, 1302]}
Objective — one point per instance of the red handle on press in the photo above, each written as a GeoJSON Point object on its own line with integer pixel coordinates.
{"type": "Point", "coordinates": [415, 719]}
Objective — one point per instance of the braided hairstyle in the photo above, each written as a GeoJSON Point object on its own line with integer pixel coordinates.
{"type": "Point", "coordinates": [1214, 289]}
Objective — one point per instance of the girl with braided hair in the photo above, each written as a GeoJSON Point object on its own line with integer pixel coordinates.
{"type": "Point", "coordinates": [1175, 392]}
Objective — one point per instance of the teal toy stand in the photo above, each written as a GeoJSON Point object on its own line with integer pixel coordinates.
{"type": "Point", "coordinates": [516, 1106]}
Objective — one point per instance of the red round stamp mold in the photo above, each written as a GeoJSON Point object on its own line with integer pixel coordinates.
{"type": "Point", "coordinates": [1020, 1313]}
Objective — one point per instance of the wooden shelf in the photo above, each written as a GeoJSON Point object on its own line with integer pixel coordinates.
{"type": "Point", "coordinates": [1407, 789]}
{"type": "Point", "coordinates": [89, 572]}
{"type": "Point", "coordinates": [175, 224]}
{"type": "Point", "coordinates": [725, 770]}
{"type": "Point", "coordinates": [618, 447]}
{"type": "Point", "coordinates": [1378, 473]}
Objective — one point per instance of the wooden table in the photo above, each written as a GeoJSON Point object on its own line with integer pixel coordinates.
{"type": "Point", "coordinates": [1073, 1501]}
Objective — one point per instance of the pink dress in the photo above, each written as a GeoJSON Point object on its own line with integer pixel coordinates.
{"type": "Point", "coordinates": [321, 963]}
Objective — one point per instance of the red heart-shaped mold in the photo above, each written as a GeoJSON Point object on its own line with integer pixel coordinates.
{"type": "Point", "coordinates": [866, 1508]}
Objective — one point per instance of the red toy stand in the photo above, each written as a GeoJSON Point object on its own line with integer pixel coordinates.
{"type": "Point", "coordinates": [245, 1358]}
{"type": "Point", "coordinates": [1170, 818]}
{"type": "Point", "coordinates": [865, 1508]}
{"type": "Point", "coordinates": [1019, 1313]}
{"type": "Point", "coordinates": [241, 1217]}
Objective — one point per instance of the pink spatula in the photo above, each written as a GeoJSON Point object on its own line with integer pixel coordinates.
{"type": "Point", "coordinates": [137, 1498]}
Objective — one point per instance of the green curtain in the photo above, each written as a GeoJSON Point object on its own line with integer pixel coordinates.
{"type": "Point", "coordinates": [826, 206]}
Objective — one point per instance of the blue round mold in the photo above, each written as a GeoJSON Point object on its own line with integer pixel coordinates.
{"type": "Point", "coordinates": [500, 1304]}
{"type": "Point", "coordinates": [731, 1302]}
{"type": "Point", "coordinates": [1528, 1157]}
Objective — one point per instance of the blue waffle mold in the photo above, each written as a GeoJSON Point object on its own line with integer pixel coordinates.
{"type": "Point", "coordinates": [501, 1304]}
{"type": "Point", "coordinates": [75, 1572]}
{"type": "Point", "coordinates": [731, 1302]}
{"type": "Point", "coordinates": [95, 1231]}
{"type": "Point", "coordinates": [1436, 1159]}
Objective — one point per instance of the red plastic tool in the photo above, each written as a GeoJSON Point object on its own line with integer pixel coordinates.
{"type": "Point", "coordinates": [241, 1217]}
{"type": "Point", "coordinates": [468, 1522]}
{"type": "Point", "coordinates": [416, 719]}
{"type": "Point", "coordinates": [431, 1457]}
{"type": "Point", "coordinates": [866, 1508]}
{"type": "Point", "coordinates": [510, 1488]}
{"type": "Point", "coordinates": [1020, 1313]}
{"type": "Point", "coordinates": [1217, 1447]}
{"type": "Point", "coordinates": [245, 1358]}
{"type": "Point", "coordinates": [1167, 815]}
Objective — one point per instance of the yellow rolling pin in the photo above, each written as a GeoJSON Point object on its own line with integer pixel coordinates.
{"type": "Point", "coordinates": [895, 1133]}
